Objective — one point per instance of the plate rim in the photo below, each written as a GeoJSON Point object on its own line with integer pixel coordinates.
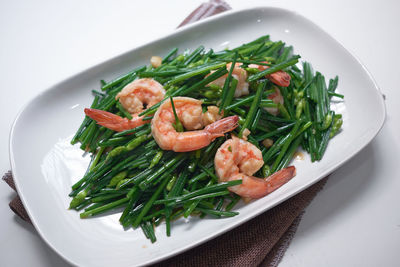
{"type": "Point", "coordinates": [379, 125]}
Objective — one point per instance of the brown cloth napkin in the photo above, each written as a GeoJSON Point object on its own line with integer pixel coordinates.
{"type": "Point", "coordinates": [261, 241]}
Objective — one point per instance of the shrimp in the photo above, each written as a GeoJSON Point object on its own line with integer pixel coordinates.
{"type": "Point", "coordinates": [239, 74]}
{"type": "Point", "coordinates": [280, 78]}
{"type": "Point", "coordinates": [114, 122]}
{"type": "Point", "coordinates": [212, 115]}
{"type": "Point", "coordinates": [133, 97]}
{"type": "Point", "coordinates": [238, 159]}
{"type": "Point", "coordinates": [140, 92]}
{"type": "Point", "coordinates": [189, 112]}
{"type": "Point", "coordinates": [277, 98]}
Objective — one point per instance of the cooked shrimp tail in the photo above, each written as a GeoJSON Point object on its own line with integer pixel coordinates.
{"type": "Point", "coordinates": [220, 127]}
{"type": "Point", "coordinates": [112, 121]}
{"type": "Point", "coordinates": [280, 78]}
{"type": "Point", "coordinates": [280, 178]}
{"type": "Point", "coordinates": [253, 187]}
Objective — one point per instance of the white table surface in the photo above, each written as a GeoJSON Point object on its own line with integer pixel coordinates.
{"type": "Point", "coordinates": [354, 221]}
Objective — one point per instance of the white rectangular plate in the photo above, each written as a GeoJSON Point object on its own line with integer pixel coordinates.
{"type": "Point", "coordinates": [45, 165]}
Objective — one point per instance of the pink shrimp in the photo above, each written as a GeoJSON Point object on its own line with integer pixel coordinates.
{"type": "Point", "coordinates": [277, 98]}
{"type": "Point", "coordinates": [239, 74]}
{"type": "Point", "coordinates": [114, 122]}
{"type": "Point", "coordinates": [280, 77]}
{"type": "Point", "coordinates": [238, 159]}
{"type": "Point", "coordinates": [134, 97]}
{"type": "Point", "coordinates": [189, 112]}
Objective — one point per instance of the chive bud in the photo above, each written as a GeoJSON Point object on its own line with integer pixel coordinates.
{"type": "Point", "coordinates": [210, 94]}
{"type": "Point", "coordinates": [266, 171]}
{"type": "Point", "coordinates": [136, 142]}
{"type": "Point", "coordinates": [337, 124]}
{"type": "Point", "coordinates": [156, 159]}
{"type": "Point", "coordinates": [117, 178]}
{"type": "Point", "coordinates": [115, 152]}
{"type": "Point", "coordinates": [327, 121]}
{"type": "Point", "coordinates": [299, 108]}
{"type": "Point", "coordinates": [252, 70]}
{"type": "Point", "coordinates": [121, 182]}
{"type": "Point", "coordinates": [241, 120]}
{"type": "Point", "coordinates": [192, 166]}
{"type": "Point", "coordinates": [171, 182]}
{"type": "Point", "coordinates": [78, 199]}
{"type": "Point", "coordinates": [215, 87]}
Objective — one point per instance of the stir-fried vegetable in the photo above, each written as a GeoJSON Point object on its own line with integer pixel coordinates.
{"type": "Point", "coordinates": [129, 171]}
